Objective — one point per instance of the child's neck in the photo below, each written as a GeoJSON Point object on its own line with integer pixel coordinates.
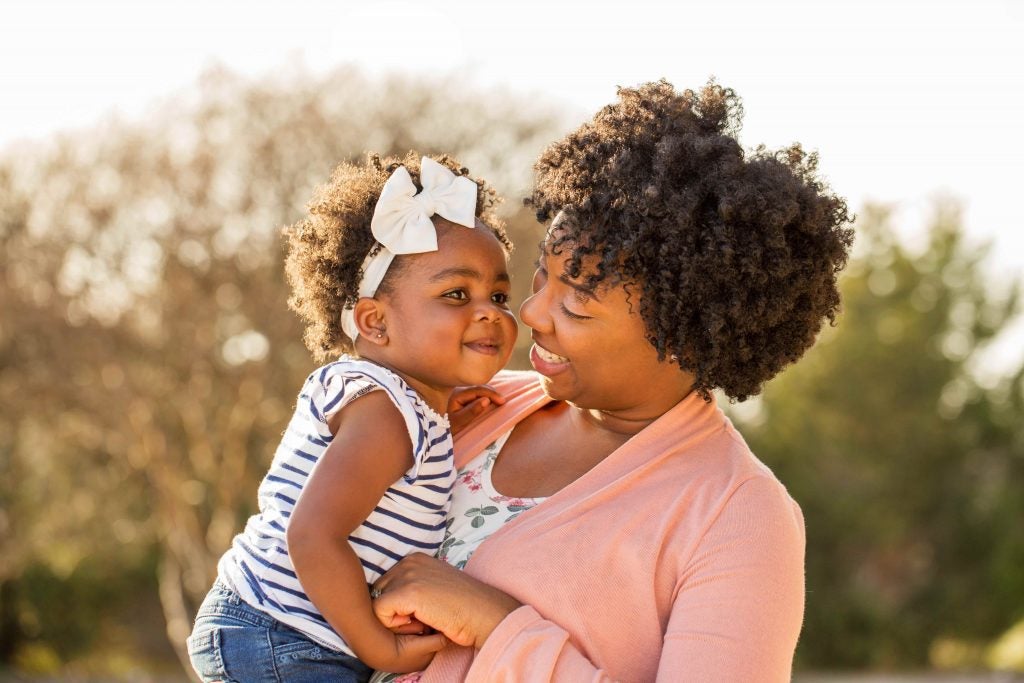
{"type": "Point", "coordinates": [435, 397]}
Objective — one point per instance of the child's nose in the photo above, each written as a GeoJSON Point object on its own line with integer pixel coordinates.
{"type": "Point", "coordinates": [488, 312]}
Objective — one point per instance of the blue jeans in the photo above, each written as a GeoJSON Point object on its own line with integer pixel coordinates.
{"type": "Point", "coordinates": [236, 643]}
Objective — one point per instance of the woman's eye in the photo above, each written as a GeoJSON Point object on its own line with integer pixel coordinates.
{"type": "Point", "coordinates": [457, 294]}
{"type": "Point", "coordinates": [573, 316]}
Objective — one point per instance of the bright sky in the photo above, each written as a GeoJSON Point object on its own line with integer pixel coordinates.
{"type": "Point", "coordinates": [902, 98]}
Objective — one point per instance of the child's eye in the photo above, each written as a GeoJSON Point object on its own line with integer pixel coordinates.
{"type": "Point", "coordinates": [500, 298]}
{"type": "Point", "coordinates": [456, 294]}
{"type": "Point", "coordinates": [573, 316]}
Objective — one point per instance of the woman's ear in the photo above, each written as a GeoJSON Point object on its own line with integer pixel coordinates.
{"type": "Point", "coordinates": [370, 320]}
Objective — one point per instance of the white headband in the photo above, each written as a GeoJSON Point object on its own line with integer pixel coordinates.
{"type": "Point", "coordinates": [401, 222]}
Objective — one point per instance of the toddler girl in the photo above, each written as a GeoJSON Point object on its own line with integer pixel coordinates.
{"type": "Point", "coordinates": [401, 268]}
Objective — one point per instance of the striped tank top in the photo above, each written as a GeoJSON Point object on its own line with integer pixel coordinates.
{"type": "Point", "coordinates": [409, 518]}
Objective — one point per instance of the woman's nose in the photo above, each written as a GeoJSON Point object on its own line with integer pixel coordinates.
{"type": "Point", "coordinates": [533, 311]}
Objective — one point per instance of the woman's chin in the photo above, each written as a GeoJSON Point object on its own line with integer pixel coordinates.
{"type": "Point", "coordinates": [555, 388]}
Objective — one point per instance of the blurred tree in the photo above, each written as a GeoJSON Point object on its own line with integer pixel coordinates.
{"type": "Point", "coordinates": [910, 470]}
{"type": "Point", "coordinates": [146, 350]}
{"type": "Point", "coordinates": [148, 364]}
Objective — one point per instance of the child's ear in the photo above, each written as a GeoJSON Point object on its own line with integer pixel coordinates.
{"type": "Point", "coordinates": [369, 319]}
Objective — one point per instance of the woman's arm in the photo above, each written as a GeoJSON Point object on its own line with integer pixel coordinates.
{"type": "Point", "coordinates": [736, 613]}
{"type": "Point", "coordinates": [369, 452]}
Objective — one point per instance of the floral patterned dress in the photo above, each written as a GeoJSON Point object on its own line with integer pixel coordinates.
{"type": "Point", "coordinates": [477, 511]}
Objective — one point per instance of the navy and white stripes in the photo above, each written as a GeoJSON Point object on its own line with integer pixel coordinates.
{"type": "Point", "coordinates": [410, 517]}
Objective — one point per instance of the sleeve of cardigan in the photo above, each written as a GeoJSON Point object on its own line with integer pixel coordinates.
{"type": "Point", "coordinates": [739, 605]}
{"type": "Point", "coordinates": [736, 616]}
{"type": "Point", "coordinates": [527, 647]}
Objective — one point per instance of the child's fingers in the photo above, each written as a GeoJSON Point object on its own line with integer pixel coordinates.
{"type": "Point", "coordinates": [486, 390]}
{"type": "Point", "coordinates": [458, 419]}
{"type": "Point", "coordinates": [463, 396]}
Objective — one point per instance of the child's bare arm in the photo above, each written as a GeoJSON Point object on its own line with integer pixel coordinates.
{"type": "Point", "coordinates": [370, 451]}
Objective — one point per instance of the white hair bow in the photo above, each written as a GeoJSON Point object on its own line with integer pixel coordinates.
{"type": "Point", "coordinates": [401, 222]}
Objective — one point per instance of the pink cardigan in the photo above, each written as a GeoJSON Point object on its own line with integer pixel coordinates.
{"type": "Point", "coordinates": [680, 557]}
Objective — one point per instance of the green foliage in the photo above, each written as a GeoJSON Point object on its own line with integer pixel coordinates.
{"type": "Point", "coordinates": [909, 471]}
{"type": "Point", "coordinates": [61, 611]}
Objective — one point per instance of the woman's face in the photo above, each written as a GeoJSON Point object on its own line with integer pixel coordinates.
{"type": "Point", "coordinates": [591, 347]}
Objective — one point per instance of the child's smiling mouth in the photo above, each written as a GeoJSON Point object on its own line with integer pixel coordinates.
{"type": "Point", "coordinates": [489, 346]}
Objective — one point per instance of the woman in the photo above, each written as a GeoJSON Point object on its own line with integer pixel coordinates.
{"type": "Point", "coordinates": [632, 535]}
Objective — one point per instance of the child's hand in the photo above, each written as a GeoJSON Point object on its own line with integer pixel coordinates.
{"type": "Point", "coordinates": [410, 653]}
{"type": "Point", "coordinates": [468, 403]}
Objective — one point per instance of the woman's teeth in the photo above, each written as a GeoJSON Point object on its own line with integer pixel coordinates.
{"type": "Point", "coordinates": [549, 357]}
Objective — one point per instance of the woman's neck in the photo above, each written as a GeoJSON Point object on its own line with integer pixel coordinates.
{"type": "Point", "coordinates": [630, 421]}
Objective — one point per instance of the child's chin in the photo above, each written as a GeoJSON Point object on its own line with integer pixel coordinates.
{"type": "Point", "coordinates": [480, 376]}
{"type": "Point", "coordinates": [472, 379]}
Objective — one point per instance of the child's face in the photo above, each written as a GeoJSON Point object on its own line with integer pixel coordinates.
{"type": "Point", "coordinates": [447, 315]}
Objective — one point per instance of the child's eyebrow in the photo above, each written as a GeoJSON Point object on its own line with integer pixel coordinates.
{"type": "Point", "coordinates": [464, 272]}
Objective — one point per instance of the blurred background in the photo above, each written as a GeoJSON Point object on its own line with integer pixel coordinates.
{"type": "Point", "coordinates": [151, 152]}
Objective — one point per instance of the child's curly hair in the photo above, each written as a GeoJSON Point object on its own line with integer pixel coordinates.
{"type": "Point", "coordinates": [735, 255]}
{"type": "Point", "coordinates": [327, 248]}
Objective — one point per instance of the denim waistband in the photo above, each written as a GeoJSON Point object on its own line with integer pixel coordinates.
{"type": "Point", "coordinates": [223, 601]}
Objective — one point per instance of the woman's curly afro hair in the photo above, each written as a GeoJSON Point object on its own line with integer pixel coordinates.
{"type": "Point", "coordinates": [326, 249]}
{"type": "Point", "coordinates": [735, 255]}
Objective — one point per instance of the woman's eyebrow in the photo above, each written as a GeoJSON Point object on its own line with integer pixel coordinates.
{"type": "Point", "coordinates": [583, 293]}
{"type": "Point", "coordinates": [464, 272]}
{"type": "Point", "coordinates": [581, 290]}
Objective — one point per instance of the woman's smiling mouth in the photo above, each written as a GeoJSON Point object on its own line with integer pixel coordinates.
{"type": "Point", "coordinates": [545, 362]}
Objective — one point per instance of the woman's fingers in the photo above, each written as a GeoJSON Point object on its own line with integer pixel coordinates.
{"type": "Point", "coordinates": [464, 609]}
{"type": "Point", "coordinates": [414, 627]}
{"type": "Point", "coordinates": [391, 604]}
{"type": "Point", "coordinates": [420, 587]}
{"type": "Point", "coordinates": [421, 645]}
{"type": "Point", "coordinates": [390, 617]}
{"type": "Point", "coordinates": [385, 609]}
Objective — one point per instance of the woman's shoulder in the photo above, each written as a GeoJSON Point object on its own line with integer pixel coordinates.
{"type": "Point", "coordinates": [723, 472]}
{"type": "Point", "coordinates": [722, 496]}
{"type": "Point", "coordinates": [754, 486]}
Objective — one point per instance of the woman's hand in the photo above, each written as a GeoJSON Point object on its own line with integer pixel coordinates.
{"type": "Point", "coordinates": [468, 403]}
{"type": "Point", "coordinates": [433, 592]}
